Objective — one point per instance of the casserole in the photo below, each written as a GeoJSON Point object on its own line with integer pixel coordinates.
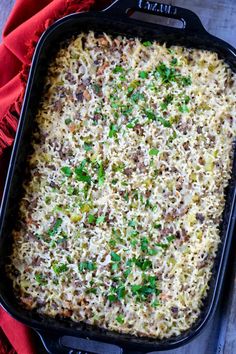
{"type": "Point", "coordinates": [147, 32]}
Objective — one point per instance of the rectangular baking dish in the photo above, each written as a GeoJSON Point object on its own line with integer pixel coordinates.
{"type": "Point", "coordinates": [63, 336]}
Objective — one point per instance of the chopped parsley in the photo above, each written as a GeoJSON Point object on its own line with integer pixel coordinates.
{"type": "Point", "coordinates": [91, 218]}
{"type": "Point", "coordinates": [90, 266]}
{"type": "Point", "coordinates": [174, 61]}
{"type": "Point", "coordinates": [68, 121]}
{"type": "Point", "coordinates": [100, 219]}
{"type": "Point", "coordinates": [120, 319]}
{"type": "Point", "coordinates": [54, 229]}
{"type": "Point", "coordinates": [147, 44]}
{"type": "Point", "coordinates": [184, 108]}
{"type": "Point", "coordinates": [144, 244]}
{"type": "Point", "coordinates": [115, 257]}
{"type": "Point", "coordinates": [82, 174]}
{"type": "Point", "coordinates": [157, 226]}
{"type": "Point", "coordinates": [143, 74]}
{"type": "Point", "coordinates": [166, 74]}
{"type": "Point", "coordinates": [101, 174]}
{"type": "Point", "coordinates": [132, 223]}
{"type": "Point", "coordinates": [155, 303]}
{"type": "Point", "coordinates": [59, 268]}
{"type": "Point", "coordinates": [186, 80]}
{"type": "Point", "coordinates": [149, 287]}
{"type": "Point", "coordinates": [153, 152]}
{"type": "Point", "coordinates": [67, 171]}
{"type": "Point", "coordinates": [167, 100]}
{"type": "Point", "coordinates": [170, 238]}
{"type": "Point", "coordinates": [118, 69]}
{"type": "Point", "coordinates": [132, 123]}
{"type": "Point", "coordinates": [113, 130]}
{"type": "Point", "coordinates": [137, 96]}
{"type": "Point", "coordinates": [87, 147]}
{"type": "Point", "coordinates": [164, 122]}
{"type": "Point", "coordinates": [40, 279]}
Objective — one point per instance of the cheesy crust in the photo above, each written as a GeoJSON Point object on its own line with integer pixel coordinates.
{"type": "Point", "coordinates": [119, 223]}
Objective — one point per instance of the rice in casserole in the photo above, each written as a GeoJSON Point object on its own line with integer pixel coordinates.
{"type": "Point", "coordinates": [119, 223]}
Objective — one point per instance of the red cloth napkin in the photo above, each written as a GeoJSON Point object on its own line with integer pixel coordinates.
{"type": "Point", "coordinates": [28, 20]}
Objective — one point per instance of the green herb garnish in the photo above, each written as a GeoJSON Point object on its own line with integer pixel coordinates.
{"type": "Point", "coordinates": [166, 74]}
{"type": "Point", "coordinates": [143, 74]}
{"type": "Point", "coordinates": [132, 123]}
{"type": "Point", "coordinates": [132, 223]}
{"type": "Point", "coordinates": [91, 218]}
{"type": "Point", "coordinates": [115, 257]}
{"type": "Point", "coordinates": [147, 44]}
{"type": "Point", "coordinates": [186, 80]}
{"type": "Point", "coordinates": [183, 108]}
{"type": "Point", "coordinates": [87, 147]}
{"type": "Point", "coordinates": [144, 244]}
{"type": "Point", "coordinates": [170, 238]}
{"type": "Point", "coordinates": [82, 174]}
{"type": "Point", "coordinates": [153, 152]}
{"type": "Point", "coordinates": [113, 130]}
{"type": "Point", "coordinates": [40, 279]}
{"type": "Point", "coordinates": [67, 171]}
{"type": "Point", "coordinates": [101, 174]}
{"type": "Point", "coordinates": [54, 229]}
{"type": "Point", "coordinates": [137, 96]}
{"type": "Point", "coordinates": [60, 268]}
{"type": "Point", "coordinates": [120, 319]}
{"type": "Point", "coordinates": [118, 69]}
{"type": "Point", "coordinates": [100, 219]}
{"type": "Point", "coordinates": [90, 266]}
{"type": "Point", "coordinates": [68, 121]}
{"type": "Point", "coordinates": [155, 303]}
{"type": "Point", "coordinates": [174, 61]}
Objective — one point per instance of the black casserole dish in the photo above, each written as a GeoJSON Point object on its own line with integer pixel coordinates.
{"type": "Point", "coordinates": [114, 20]}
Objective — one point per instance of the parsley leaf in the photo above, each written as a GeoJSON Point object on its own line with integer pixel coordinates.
{"type": "Point", "coordinates": [91, 218]}
{"type": "Point", "coordinates": [144, 244]}
{"type": "Point", "coordinates": [183, 108]}
{"type": "Point", "coordinates": [120, 319]}
{"type": "Point", "coordinates": [147, 44]}
{"type": "Point", "coordinates": [132, 123]}
{"type": "Point", "coordinates": [137, 96]}
{"type": "Point", "coordinates": [100, 219]}
{"type": "Point", "coordinates": [87, 147]}
{"type": "Point", "coordinates": [186, 80]}
{"type": "Point", "coordinates": [112, 297]}
{"type": "Point", "coordinates": [90, 266]}
{"type": "Point", "coordinates": [115, 257]}
{"type": "Point", "coordinates": [101, 175]}
{"type": "Point", "coordinates": [54, 229]}
{"type": "Point", "coordinates": [170, 238]}
{"type": "Point", "coordinates": [113, 130]}
{"type": "Point", "coordinates": [82, 174]}
{"type": "Point", "coordinates": [68, 121]}
{"type": "Point", "coordinates": [118, 69]}
{"type": "Point", "coordinates": [166, 74]}
{"type": "Point", "coordinates": [67, 171]}
{"type": "Point", "coordinates": [153, 152]}
{"type": "Point", "coordinates": [143, 74]}
{"type": "Point", "coordinates": [164, 122]}
{"type": "Point", "coordinates": [40, 279]}
{"type": "Point", "coordinates": [174, 61]}
{"type": "Point", "coordinates": [60, 268]}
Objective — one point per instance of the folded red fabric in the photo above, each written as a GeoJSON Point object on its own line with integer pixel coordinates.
{"type": "Point", "coordinates": [26, 23]}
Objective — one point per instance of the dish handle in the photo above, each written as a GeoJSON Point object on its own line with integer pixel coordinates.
{"type": "Point", "coordinates": [123, 8]}
{"type": "Point", "coordinates": [65, 344]}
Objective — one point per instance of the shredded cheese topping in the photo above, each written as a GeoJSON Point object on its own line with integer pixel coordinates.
{"type": "Point", "coordinates": [119, 224]}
